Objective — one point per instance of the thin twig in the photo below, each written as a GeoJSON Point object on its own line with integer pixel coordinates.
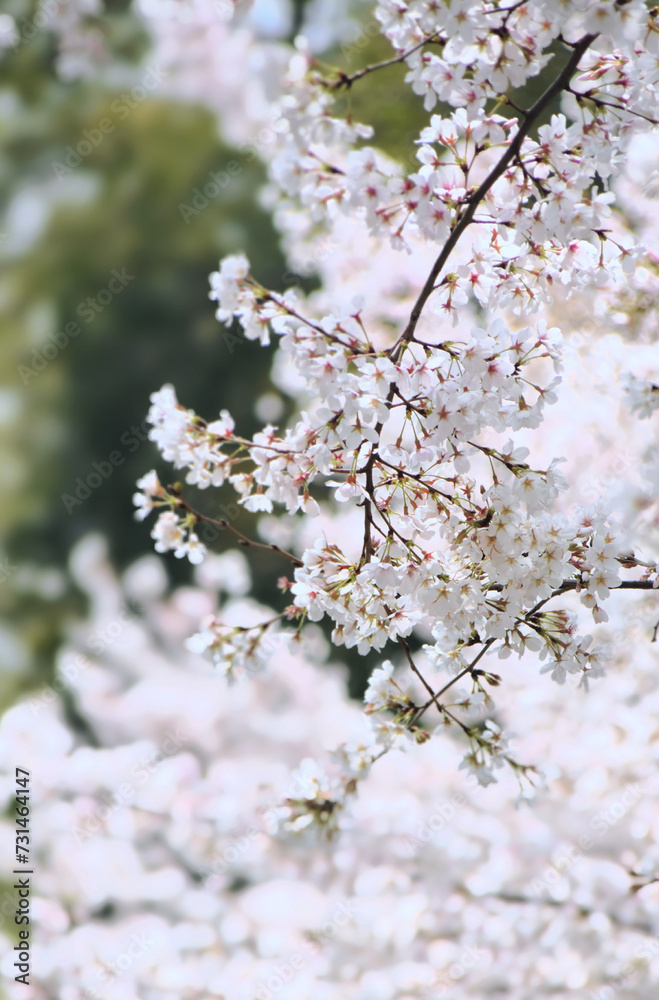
{"type": "Point", "coordinates": [433, 697]}
{"type": "Point", "coordinates": [243, 539]}
{"type": "Point", "coordinates": [599, 103]}
{"type": "Point", "coordinates": [347, 79]}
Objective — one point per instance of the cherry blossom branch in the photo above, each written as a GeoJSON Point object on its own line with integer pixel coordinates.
{"type": "Point", "coordinates": [367, 550]}
{"type": "Point", "coordinates": [408, 653]}
{"type": "Point", "coordinates": [269, 297]}
{"type": "Point", "coordinates": [569, 585]}
{"type": "Point", "coordinates": [599, 103]}
{"type": "Point", "coordinates": [243, 540]}
{"type": "Point", "coordinates": [347, 79]}
{"type": "Point", "coordinates": [576, 584]}
{"type": "Point", "coordinates": [477, 196]}
{"type": "Point", "coordinates": [430, 553]}
{"type": "Point", "coordinates": [417, 477]}
{"type": "Point", "coordinates": [516, 107]}
{"type": "Point", "coordinates": [469, 669]}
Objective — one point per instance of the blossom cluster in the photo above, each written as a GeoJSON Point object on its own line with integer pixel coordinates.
{"type": "Point", "coordinates": [469, 561]}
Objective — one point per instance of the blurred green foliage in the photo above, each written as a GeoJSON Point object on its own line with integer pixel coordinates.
{"type": "Point", "coordinates": [68, 233]}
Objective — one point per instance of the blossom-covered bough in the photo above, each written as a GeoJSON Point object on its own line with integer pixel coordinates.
{"type": "Point", "coordinates": [465, 547]}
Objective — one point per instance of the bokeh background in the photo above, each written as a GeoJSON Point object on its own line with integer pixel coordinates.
{"type": "Point", "coordinates": [66, 228]}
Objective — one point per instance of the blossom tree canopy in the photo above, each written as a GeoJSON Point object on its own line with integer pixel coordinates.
{"type": "Point", "coordinates": [419, 391]}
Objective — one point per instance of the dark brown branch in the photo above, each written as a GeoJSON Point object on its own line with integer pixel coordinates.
{"type": "Point", "coordinates": [479, 194]}
{"type": "Point", "coordinates": [433, 697]}
{"type": "Point", "coordinates": [347, 79]}
{"type": "Point", "coordinates": [469, 668]}
{"type": "Point", "coordinates": [574, 584]}
{"type": "Point", "coordinates": [569, 585]}
{"type": "Point", "coordinates": [599, 103]}
{"type": "Point", "coordinates": [367, 550]}
{"type": "Point", "coordinates": [242, 539]}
